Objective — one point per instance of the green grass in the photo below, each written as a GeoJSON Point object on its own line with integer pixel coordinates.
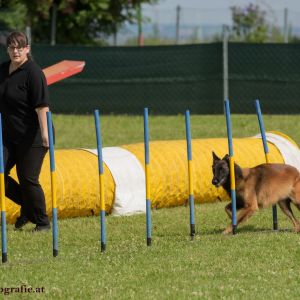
{"type": "Point", "coordinates": [78, 131]}
{"type": "Point", "coordinates": [257, 263]}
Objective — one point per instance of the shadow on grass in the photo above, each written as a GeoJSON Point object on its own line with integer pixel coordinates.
{"type": "Point", "coordinates": [248, 229]}
{"type": "Point", "coordinates": [252, 229]}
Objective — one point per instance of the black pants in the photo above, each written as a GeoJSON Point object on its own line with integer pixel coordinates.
{"type": "Point", "coordinates": [28, 192]}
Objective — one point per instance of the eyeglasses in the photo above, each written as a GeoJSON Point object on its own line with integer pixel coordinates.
{"type": "Point", "coordinates": [13, 48]}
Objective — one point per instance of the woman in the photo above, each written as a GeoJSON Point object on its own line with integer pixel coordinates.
{"type": "Point", "coordinates": [24, 101]}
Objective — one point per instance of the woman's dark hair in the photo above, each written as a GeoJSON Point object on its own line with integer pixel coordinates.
{"type": "Point", "coordinates": [19, 39]}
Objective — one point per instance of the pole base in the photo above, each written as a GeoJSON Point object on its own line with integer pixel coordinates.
{"type": "Point", "coordinates": [193, 232]}
{"type": "Point", "coordinates": [275, 218]}
{"type": "Point", "coordinates": [55, 252]}
{"type": "Point", "coordinates": [234, 229]}
{"type": "Point", "coordinates": [149, 241]}
{"type": "Point", "coordinates": [4, 257]}
{"type": "Point", "coordinates": [103, 247]}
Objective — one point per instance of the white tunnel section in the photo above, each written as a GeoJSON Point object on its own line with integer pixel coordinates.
{"type": "Point", "coordinates": [129, 178]}
{"type": "Point", "coordinates": [289, 151]}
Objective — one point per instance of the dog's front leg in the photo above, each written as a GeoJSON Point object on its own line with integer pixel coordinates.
{"type": "Point", "coordinates": [239, 205]}
{"type": "Point", "coordinates": [228, 210]}
{"type": "Point", "coordinates": [228, 229]}
{"type": "Point", "coordinates": [243, 215]}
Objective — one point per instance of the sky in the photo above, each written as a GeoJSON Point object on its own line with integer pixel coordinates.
{"type": "Point", "coordinates": [275, 4]}
{"type": "Point", "coordinates": [217, 11]}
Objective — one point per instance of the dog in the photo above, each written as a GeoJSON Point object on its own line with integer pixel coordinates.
{"type": "Point", "coordinates": [259, 187]}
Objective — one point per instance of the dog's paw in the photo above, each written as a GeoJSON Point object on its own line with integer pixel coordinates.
{"type": "Point", "coordinates": [297, 229]}
{"type": "Point", "coordinates": [228, 230]}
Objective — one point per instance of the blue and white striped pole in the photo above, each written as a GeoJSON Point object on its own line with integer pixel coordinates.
{"type": "Point", "coordinates": [190, 172]}
{"type": "Point", "coordinates": [2, 195]}
{"type": "Point", "coordinates": [53, 185]}
{"type": "Point", "coordinates": [231, 166]}
{"type": "Point", "coordinates": [101, 180]}
{"type": "Point", "coordinates": [266, 150]}
{"type": "Point", "coordinates": [147, 178]}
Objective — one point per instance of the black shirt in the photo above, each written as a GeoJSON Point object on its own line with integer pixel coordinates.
{"type": "Point", "coordinates": [21, 92]}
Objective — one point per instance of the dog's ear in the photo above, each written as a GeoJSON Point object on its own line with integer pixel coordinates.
{"type": "Point", "coordinates": [215, 157]}
{"type": "Point", "coordinates": [226, 157]}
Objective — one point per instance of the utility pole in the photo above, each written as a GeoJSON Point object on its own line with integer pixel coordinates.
{"type": "Point", "coordinates": [28, 34]}
{"type": "Point", "coordinates": [140, 27]}
{"type": "Point", "coordinates": [178, 9]}
{"type": "Point", "coordinates": [53, 24]}
{"type": "Point", "coordinates": [115, 34]}
{"type": "Point", "coordinates": [286, 26]}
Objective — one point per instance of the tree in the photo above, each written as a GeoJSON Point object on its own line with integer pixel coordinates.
{"type": "Point", "coordinates": [78, 21]}
{"type": "Point", "coordinates": [249, 24]}
{"type": "Point", "coordinates": [12, 14]}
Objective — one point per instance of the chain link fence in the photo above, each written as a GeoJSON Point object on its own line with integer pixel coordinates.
{"type": "Point", "coordinates": [171, 79]}
{"type": "Point", "coordinates": [269, 72]}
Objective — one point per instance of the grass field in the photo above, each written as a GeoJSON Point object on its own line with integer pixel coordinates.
{"type": "Point", "coordinates": [78, 131]}
{"type": "Point", "coordinates": [257, 263]}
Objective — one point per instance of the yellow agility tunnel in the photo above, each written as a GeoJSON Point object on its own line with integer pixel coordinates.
{"type": "Point", "coordinates": [77, 178]}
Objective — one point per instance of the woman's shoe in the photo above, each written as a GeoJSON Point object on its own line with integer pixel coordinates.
{"type": "Point", "coordinates": [20, 222]}
{"type": "Point", "coordinates": [42, 227]}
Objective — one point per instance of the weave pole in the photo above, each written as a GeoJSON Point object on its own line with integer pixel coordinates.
{"type": "Point", "coordinates": [190, 172]}
{"type": "Point", "coordinates": [101, 180]}
{"type": "Point", "coordinates": [2, 196]}
{"type": "Point", "coordinates": [266, 150]}
{"type": "Point", "coordinates": [147, 177]}
{"type": "Point", "coordinates": [231, 166]}
{"type": "Point", "coordinates": [53, 185]}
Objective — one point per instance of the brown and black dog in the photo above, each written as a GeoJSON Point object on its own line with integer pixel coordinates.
{"type": "Point", "coordinates": [259, 187]}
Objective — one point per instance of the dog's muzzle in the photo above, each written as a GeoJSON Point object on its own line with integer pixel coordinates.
{"type": "Point", "coordinates": [215, 182]}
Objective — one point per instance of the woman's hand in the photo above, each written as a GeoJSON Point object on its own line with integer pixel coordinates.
{"type": "Point", "coordinates": [41, 112]}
